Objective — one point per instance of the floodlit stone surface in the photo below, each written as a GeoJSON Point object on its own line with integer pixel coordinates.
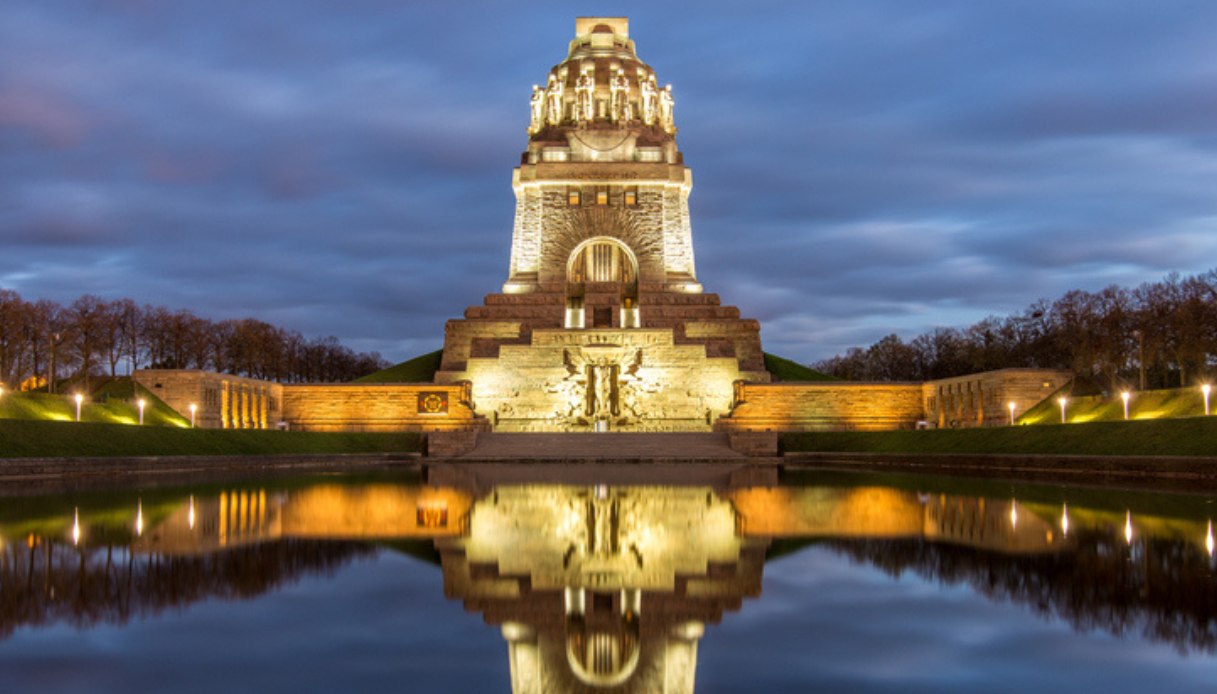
{"type": "Point", "coordinates": [602, 324]}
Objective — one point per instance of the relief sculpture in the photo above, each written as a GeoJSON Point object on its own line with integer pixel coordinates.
{"type": "Point", "coordinates": [602, 388]}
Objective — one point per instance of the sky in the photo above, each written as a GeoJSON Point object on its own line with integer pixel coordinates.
{"type": "Point", "coordinates": [861, 167]}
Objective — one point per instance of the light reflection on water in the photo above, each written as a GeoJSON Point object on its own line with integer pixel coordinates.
{"type": "Point", "coordinates": [834, 583]}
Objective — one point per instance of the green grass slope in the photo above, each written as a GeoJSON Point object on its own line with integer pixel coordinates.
{"type": "Point", "coordinates": [420, 369]}
{"type": "Point", "coordinates": [103, 407]}
{"type": "Point", "coordinates": [782, 369]}
{"type": "Point", "coordinates": [1142, 405]}
{"type": "Point", "coordinates": [36, 439]}
{"type": "Point", "coordinates": [1186, 436]}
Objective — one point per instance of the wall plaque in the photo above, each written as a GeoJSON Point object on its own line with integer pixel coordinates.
{"type": "Point", "coordinates": [433, 402]}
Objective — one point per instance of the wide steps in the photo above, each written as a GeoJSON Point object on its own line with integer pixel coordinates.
{"type": "Point", "coordinates": [608, 446]}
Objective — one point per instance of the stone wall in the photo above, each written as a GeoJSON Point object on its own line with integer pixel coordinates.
{"type": "Point", "coordinates": [548, 226]}
{"type": "Point", "coordinates": [652, 383]}
{"type": "Point", "coordinates": [983, 399]}
{"type": "Point", "coordinates": [221, 401]}
{"type": "Point", "coordinates": [379, 407]}
{"type": "Point", "coordinates": [824, 406]}
{"type": "Point", "coordinates": [980, 399]}
{"type": "Point", "coordinates": [627, 379]}
{"type": "Point", "coordinates": [233, 402]}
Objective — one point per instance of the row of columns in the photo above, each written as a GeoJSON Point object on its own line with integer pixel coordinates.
{"type": "Point", "coordinates": [243, 405]}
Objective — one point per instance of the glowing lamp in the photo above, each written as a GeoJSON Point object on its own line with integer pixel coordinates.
{"type": "Point", "coordinates": [79, 399]}
{"type": "Point", "coordinates": [141, 403]}
{"type": "Point", "coordinates": [1124, 396]}
{"type": "Point", "coordinates": [1206, 389]}
{"type": "Point", "coordinates": [193, 409]}
{"type": "Point", "coordinates": [1062, 401]}
{"type": "Point", "coordinates": [1011, 407]}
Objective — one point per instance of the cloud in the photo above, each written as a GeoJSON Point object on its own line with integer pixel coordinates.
{"type": "Point", "coordinates": [860, 168]}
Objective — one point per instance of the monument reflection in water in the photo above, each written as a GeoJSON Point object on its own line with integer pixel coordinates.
{"type": "Point", "coordinates": [612, 586]}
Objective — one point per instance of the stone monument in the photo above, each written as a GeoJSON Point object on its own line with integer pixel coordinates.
{"type": "Point", "coordinates": [602, 324]}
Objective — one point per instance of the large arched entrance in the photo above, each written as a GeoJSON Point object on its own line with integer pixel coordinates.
{"type": "Point", "coordinates": [599, 260]}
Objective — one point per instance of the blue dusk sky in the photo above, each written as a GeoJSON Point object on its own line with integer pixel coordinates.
{"type": "Point", "coordinates": [860, 167]}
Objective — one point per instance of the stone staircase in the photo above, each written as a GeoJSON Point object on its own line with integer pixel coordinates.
{"type": "Point", "coordinates": [604, 447]}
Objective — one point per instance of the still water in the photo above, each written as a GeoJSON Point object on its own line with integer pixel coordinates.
{"type": "Point", "coordinates": [826, 582]}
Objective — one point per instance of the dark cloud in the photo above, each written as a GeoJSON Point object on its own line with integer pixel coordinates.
{"type": "Point", "coordinates": [861, 168]}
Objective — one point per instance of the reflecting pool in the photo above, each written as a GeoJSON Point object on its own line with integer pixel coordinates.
{"type": "Point", "coordinates": [830, 582]}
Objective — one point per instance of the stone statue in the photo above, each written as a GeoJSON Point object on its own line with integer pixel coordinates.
{"type": "Point", "coordinates": [600, 383]}
{"type": "Point", "coordinates": [620, 90]}
{"type": "Point", "coordinates": [649, 96]}
{"type": "Point", "coordinates": [666, 104]}
{"type": "Point", "coordinates": [553, 94]}
{"type": "Point", "coordinates": [584, 87]}
{"type": "Point", "coordinates": [602, 536]}
{"type": "Point", "coordinates": [537, 106]}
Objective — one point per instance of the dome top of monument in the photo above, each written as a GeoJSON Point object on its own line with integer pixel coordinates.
{"type": "Point", "coordinates": [601, 85]}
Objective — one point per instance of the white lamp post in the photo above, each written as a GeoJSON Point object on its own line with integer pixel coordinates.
{"type": "Point", "coordinates": [1062, 401]}
{"type": "Point", "coordinates": [193, 409]}
{"type": "Point", "coordinates": [79, 399]}
{"type": "Point", "coordinates": [1206, 389]}
{"type": "Point", "coordinates": [141, 404]}
{"type": "Point", "coordinates": [1124, 396]}
{"type": "Point", "coordinates": [1011, 407]}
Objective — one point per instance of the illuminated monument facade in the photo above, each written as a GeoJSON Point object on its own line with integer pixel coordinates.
{"type": "Point", "coordinates": [602, 323]}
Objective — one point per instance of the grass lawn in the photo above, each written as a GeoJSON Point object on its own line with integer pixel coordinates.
{"type": "Point", "coordinates": [30, 439]}
{"type": "Point", "coordinates": [1184, 436]}
{"type": "Point", "coordinates": [103, 407]}
{"type": "Point", "coordinates": [420, 369]}
{"type": "Point", "coordinates": [783, 369]}
{"type": "Point", "coordinates": [1142, 405]}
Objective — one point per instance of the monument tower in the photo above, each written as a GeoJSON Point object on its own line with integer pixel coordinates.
{"type": "Point", "coordinates": [602, 323]}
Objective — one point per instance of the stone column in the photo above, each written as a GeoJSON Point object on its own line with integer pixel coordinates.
{"type": "Point", "coordinates": [524, 656]}
{"type": "Point", "coordinates": [242, 406]}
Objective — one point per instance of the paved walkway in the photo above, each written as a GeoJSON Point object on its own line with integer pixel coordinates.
{"type": "Point", "coordinates": [605, 447]}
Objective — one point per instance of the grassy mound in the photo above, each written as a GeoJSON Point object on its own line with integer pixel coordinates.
{"type": "Point", "coordinates": [1142, 405]}
{"type": "Point", "coordinates": [36, 439]}
{"type": "Point", "coordinates": [103, 407]}
{"type": "Point", "coordinates": [417, 370]}
{"type": "Point", "coordinates": [1186, 436]}
{"type": "Point", "coordinates": [782, 369]}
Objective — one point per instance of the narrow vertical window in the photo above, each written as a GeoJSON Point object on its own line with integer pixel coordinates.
{"type": "Point", "coordinates": [602, 196]}
{"type": "Point", "coordinates": [631, 197]}
{"type": "Point", "coordinates": [573, 198]}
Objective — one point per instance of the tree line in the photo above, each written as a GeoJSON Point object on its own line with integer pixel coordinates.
{"type": "Point", "coordinates": [43, 342]}
{"type": "Point", "coordinates": [1157, 335]}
